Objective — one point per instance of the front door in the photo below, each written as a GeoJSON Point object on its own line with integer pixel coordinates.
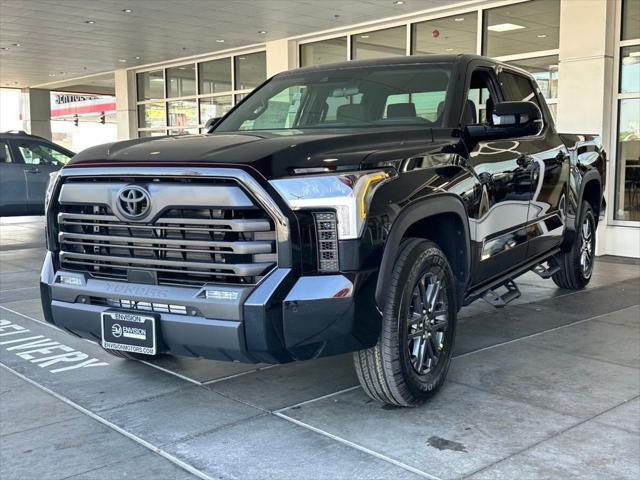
{"type": "Point", "coordinates": [505, 173]}
{"type": "Point", "coordinates": [13, 186]}
{"type": "Point", "coordinates": [548, 161]}
{"type": "Point", "coordinates": [40, 159]}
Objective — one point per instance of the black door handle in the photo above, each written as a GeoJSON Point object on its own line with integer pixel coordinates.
{"type": "Point", "coordinates": [32, 170]}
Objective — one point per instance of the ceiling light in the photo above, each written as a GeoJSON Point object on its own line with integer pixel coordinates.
{"type": "Point", "coordinates": [449, 49]}
{"type": "Point", "coordinates": [459, 19]}
{"type": "Point", "coordinates": [504, 27]}
{"type": "Point", "coordinates": [16, 44]}
{"type": "Point", "coordinates": [364, 36]}
{"type": "Point", "coordinates": [220, 40]}
{"type": "Point", "coordinates": [52, 74]}
{"type": "Point", "coordinates": [398, 2]}
{"type": "Point", "coordinates": [542, 36]}
{"type": "Point", "coordinates": [262, 32]}
{"type": "Point", "coordinates": [138, 58]}
{"type": "Point", "coordinates": [127, 10]}
{"type": "Point", "coordinates": [634, 54]}
{"type": "Point", "coordinates": [122, 60]}
{"type": "Point", "coordinates": [4, 48]}
{"type": "Point", "coordinates": [90, 22]}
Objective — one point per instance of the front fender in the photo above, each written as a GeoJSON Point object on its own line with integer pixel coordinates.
{"type": "Point", "coordinates": [443, 203]}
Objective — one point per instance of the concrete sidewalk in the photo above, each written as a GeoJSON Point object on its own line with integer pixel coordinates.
{"type": "Point", "coordinates": [547, 388]}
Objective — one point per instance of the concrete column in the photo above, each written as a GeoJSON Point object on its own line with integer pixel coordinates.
{"type": "Point", "coordinates": [125, 87]}
{"type": "Point", "coordinates": [585, 87]}
{"type": "Point", "coordinates": [37, 112]}
{"type": "Point", "coordinates": [281, 56]}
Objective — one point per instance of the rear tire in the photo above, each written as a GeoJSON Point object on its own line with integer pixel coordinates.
{"type": "Point", "coordinates": [576, 265]}
{"type": "Point", "coordinates": [409, 363]}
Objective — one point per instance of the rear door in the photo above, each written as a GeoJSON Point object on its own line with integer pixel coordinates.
{"type": "Point", "coordinates": [40, 159]}
{"type": "Point", "coordinates": [13, 185]}
{"type": "Point", "coordinates": [546, 158]}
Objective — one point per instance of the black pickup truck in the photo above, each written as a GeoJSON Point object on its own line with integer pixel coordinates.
{"type": "Point", "coordinates": [353, 207]}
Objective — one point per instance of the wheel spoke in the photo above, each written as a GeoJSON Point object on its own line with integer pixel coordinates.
{"type": "Point", "coordinates": [433, 292]}
{"type": "Point", "coordinates": [420, 356]}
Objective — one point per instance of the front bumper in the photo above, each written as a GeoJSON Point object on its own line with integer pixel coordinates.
{"type": "Point", "coordinates": [282, 319]}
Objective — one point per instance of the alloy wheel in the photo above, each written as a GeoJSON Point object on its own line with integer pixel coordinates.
{"type": "Point", "coordinates": [427, 322]}
{"type": "Point", "coordinates": [586, 247]}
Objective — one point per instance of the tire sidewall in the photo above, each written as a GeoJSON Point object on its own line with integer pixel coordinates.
{"type": "Point", "coordinates": [423, 260]}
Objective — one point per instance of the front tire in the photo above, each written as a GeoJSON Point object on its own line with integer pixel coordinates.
{"type": "Point", "coordinates": [576, 265]}
{"type": "Point", "coordinates": [409, 363]}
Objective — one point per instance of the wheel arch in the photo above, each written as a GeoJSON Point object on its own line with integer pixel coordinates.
{"type": "Point", "coordinates": [418, 219]}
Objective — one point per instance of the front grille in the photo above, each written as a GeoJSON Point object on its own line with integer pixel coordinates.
{"type": "Point", "coordinates": [185, 245]}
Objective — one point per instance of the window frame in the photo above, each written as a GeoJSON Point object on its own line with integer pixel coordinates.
{"type": "Point", "coordinates": [167, 129]}
{"type": "Point", "coordinates": [612, 165]}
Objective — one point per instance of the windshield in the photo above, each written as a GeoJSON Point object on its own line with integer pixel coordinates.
{"type": "Point", "coordinates": [346, 98]}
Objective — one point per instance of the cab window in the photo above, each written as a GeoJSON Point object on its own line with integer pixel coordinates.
{"type": "Point", "coordinates": [480, 99]}
{"type": "Point", "coordinates": [40, 154]}
{"type": "Point", "coordinates": [517, 88]}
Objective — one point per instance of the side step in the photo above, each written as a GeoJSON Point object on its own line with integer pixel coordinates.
{"type": "Point", "coordinates": [499, 301]}
{"type": "Point", "coordinates": [546, 271]}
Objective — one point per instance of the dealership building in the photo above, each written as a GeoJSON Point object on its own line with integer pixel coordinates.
{"type": "Point", "coordinates": [143, 69]}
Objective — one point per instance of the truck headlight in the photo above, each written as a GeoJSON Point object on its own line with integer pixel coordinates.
{"type": "Point", "coordinates": [51, 187]}
{"type": "Point", "coordinates": [348, 193]}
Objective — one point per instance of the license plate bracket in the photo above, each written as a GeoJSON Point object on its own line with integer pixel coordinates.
{"type": "Point", "coordinates": [129, 332]}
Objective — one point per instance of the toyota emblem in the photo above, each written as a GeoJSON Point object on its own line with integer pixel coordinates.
{"type": "Point", "coordinates": [134, 202]}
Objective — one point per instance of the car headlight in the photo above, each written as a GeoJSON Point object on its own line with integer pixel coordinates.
{"type": "Point", "coordinates": [51, 186]}
{"type": "Point", "coordinates": [348, 193]}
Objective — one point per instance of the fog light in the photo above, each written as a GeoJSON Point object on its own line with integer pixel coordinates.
{"type": "Point", "coordinates": [69, 280]}
{"type": "Point", "coordinates": [326, 228]}
{"type": "Point", "coordinates": [228, 295]}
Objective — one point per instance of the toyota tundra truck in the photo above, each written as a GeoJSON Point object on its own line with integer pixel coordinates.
{"type": "Point", "coordinates": [353, 207]}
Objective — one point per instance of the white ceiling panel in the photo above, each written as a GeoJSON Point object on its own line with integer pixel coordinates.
{"type": "Point", "coordinates": [50, 40]}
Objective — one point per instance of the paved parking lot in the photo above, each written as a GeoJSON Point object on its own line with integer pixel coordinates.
{"type": "Point", "coordinates": [547, 388]}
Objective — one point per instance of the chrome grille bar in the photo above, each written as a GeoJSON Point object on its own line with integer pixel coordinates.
{"type": "Point", "coordinates": [184, 244]}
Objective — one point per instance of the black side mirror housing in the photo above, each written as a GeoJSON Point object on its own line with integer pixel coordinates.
{"type": "Point", "coordinates": [210, 126]}
{"type": "Point", "coordinates": [509, 120]}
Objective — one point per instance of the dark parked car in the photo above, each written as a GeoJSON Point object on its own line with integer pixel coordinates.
{"type": "Point", "coordinates": [341, 208]}
{"type": "Point", "coordinates": [25, 164]}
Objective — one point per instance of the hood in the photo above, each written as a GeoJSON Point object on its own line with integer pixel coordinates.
{"type": "Point", "coordinates": [273, 154]}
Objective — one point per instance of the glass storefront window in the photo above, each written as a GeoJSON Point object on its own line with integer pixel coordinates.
{"type": "Point", "coordinates": [214, 107]}
{"type": "Point", "coordinates": [215, 76]}
{"type": "Point", "coordinates": [151, 115]}
{"type": "Point", "coordinates": [630, 69]}
{"type": "Point", "coordinates": [457, 34]}
{"type": "Point", "coordinates": [181, 81]}
{"type": "Point", "coordinates": [379, 43]}
{"type": "Point", "coordinates": [521, 28]}
{"type": "Point", "coordinates": [630, 19]}
{"type": "Point", "coordinates": [544, 70]}
{"type": "Point", "coordinates": [628, 170]}
{"type": "Point", "coordinates": [250, 70]}
{"type": "Point", "coordinates": [183, 113]}
{"type": "Point", "coordinates": [326, 51]}
{"type": "Point", "coordinates": [150, 85]}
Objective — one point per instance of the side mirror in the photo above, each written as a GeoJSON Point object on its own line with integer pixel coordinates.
{"type": "Point", "coordinates": [211, 124]}
{"type": "Point", "coordinates": [509, 120]}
